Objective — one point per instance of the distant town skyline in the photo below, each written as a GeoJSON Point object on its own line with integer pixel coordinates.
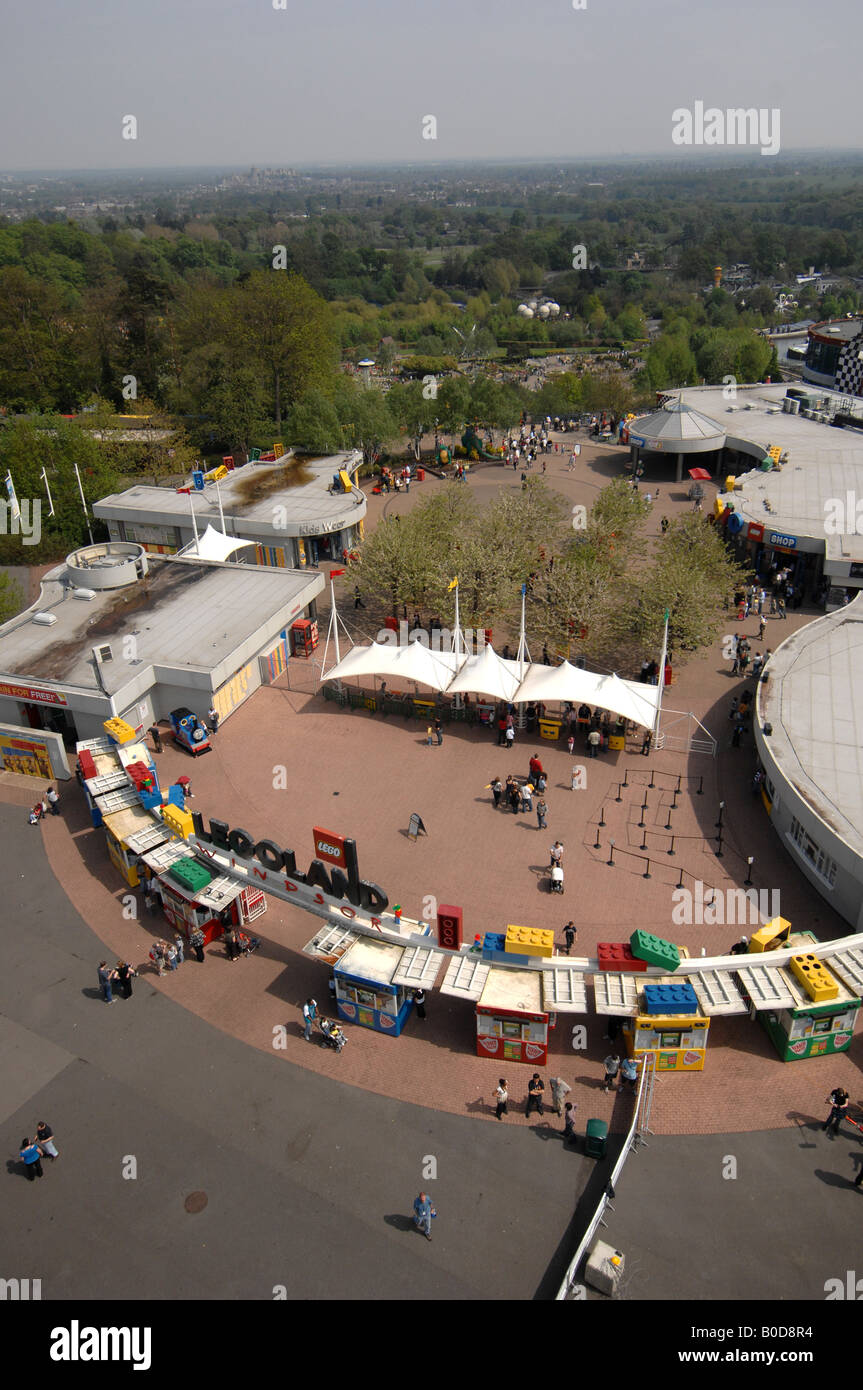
{"type": "Point", "coordinates": [238, 83]}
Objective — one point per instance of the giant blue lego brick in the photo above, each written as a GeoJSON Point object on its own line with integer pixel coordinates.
{"type": "Point", "coordinates": [655, 950]}
{"type": "Point", "coordinates": [670, 999]}
{"type": "Point", "coordinates": [494, 941]}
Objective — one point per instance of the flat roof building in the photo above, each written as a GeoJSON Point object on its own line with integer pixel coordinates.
{"type": "Point", "coordinates": [809, 736]}
{"type": "Point", "coordinates": [118, 633]}
{"type": "Point", "coordinates": [290, 510]}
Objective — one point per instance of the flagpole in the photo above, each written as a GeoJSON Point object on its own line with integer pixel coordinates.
{"type": "Point", "coordinates": [14, 509]}
{"type": "Point", "coordinates": [83, 502]}
{"type": "Point", "coordinates": [661, 677]}
{"type": "Point", "coordinates": [221, 513]}
{"type": "Point", "coordinates": [194, 519]}
{"type": "Point", "coordinates": [44, 477]}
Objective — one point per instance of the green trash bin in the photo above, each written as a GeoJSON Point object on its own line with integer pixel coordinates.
{"type": "Point", "coordinates": [596, 1138]}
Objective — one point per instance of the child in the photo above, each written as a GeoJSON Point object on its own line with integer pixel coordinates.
{"type": "Point", "coordinates": [429, 736]}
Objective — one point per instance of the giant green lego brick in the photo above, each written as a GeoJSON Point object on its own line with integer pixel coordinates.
{"type": "Point", "coordinates": [654, 950]}
{"type": "Point", "coordinates": [191, 875]}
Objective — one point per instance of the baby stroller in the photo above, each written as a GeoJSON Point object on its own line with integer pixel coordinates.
{"type": "Point", "coordinates": [332, 1034]}
{"type": "Point", "coordinates": [556, 885]}
{"type": "Point", "coordinates": [246, 945]}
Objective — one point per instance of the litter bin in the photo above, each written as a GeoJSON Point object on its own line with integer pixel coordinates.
{"type": "Point", "coordinates": [421, 475]}
{"type": "Point", "coordinates": [596, 1138]}
{"type": "Point", "coordinates": [549, 728]}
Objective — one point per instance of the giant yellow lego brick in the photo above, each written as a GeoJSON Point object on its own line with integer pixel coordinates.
{"type": "Point", "coordinates": [216, 475]}
{"type": "Point", "coordinates": [529, 941]}
{"type": "Point", "coordinates": [180, 822]}
{"type": "Point", "coordinates": [772, 932]}
{"type": "Point", "coordinates": [818, 982]}
{"type": "Point", "coordinates": [119, 731]}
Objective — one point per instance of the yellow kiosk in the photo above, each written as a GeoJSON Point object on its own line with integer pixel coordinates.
{"type": "Point", "coordinates": [670, 1025]}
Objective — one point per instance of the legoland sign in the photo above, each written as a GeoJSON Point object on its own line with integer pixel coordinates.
{"type": "Point", "coordinates": [339, 894]}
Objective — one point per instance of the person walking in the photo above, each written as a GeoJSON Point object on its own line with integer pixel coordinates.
{"type": "Point", "coordinates": [612, 1067]}
{"type": "Point", "coordinates": [169, 951]}
{"type": "Point", "coordinates": [214, 717]}
{"type": "Point", "coordinates": [125, 974]}
{"type": "Point", "coordinates": [497, 791]}
{"type": "Point", "coordinates": [762, 624]}
{"type": "Point", "coordinates": [429, 736]}
{"type": "Point", "coordinates": [53, 801]}
{"type": "Point", "coordinates": [423, 1213]}
{"type": "Point", "coordinates": [501, 1096]}
{"type": "Point", "coordinates": [32, 1156]}
{"type": "Point", "coordinates": [180, 947]}
{"type": "Point", "coordinates": [541, 813]}
{"type": "Point", "coordinates": [594, 739]}
{"type": "Point", "coordinates": [527, 797]}
{"type": "Point", "coordinates": [569, 1121]}
{"type": "Point", "coordinates": [838, 1099]}
{"type": "Point", "coordinates": [569, 935]}
{"type": "Point", "coordinates": [196, 941]}
{"type": "Point", "coordinates": [535, 769]}
{"type": "Point", "coordinates": [44, 1137]}
{"type": "Point", "coordinates": [556, 854]}
{"type": "Point", "coordinates": [358, 601]}
{"type": "Point", "coordinates": [535, 1088]}
{"type": "Point", "coordinates": [157, 958]}
{"type": "Point", "coordinates": [510, 735]}
{"type": "Point", "coordinates": [420, 1002]}
{"type": "Point", "coordinates": [156, 737]}
{"type": "Point", "coordinates": [559, 1091]}
{"type": "Point", "coordinates": [501, 731]}
{"type": "Point", "coordinates": [106, 976]}
{"type": "Point", "coordinates": [438, 728]}
{"type": "Point", "coordinates": [310, 1013]}
{"type": "Point", "coordinates": [629, 1073]}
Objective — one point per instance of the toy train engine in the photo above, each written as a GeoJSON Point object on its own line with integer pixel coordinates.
{"type": "Point", "coordinates": [190, 731]}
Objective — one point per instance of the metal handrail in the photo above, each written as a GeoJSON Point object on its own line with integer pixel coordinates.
{"type": "Point", "coordinates": [640, 1122]}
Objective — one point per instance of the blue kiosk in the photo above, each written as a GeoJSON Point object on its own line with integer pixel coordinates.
{"type": "Point", "coordinates": [366, 991]}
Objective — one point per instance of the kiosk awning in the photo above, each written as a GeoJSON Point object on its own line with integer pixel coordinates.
{"type": "Point", "coordinates": [161, 857]}
{"type": "Point", "coordinates": [330, 943]}
{"type": "Point", "coordinates": [418, 967]}
{"type": "Point", "coordinates": [848, 965]}
{"type": "Point", "coordinates": [766, 987]}
{"type": "Point", "coordinates": [465, 977]}
{"type": "Point", "coordinates": [564, 990]}
{"type": "Point", "coordinates": [119, 799]}
{"type": "Point", "coordinates": [717, 993]}
{"type": "Point", "coordinates": [107, 782]}
{"type": "Point", "coordinates": [150, 838]}
{"type": "Point", "coordinates": [616, 994]}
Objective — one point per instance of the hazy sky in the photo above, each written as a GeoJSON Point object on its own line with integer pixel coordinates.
{"type": "Point", "coordinates": [215, 82]}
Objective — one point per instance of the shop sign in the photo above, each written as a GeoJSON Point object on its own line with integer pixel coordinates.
{"type": "Point", "coordinates": [265, 863]}
{"type": "Point", "coordinates": [781, 542]}
{"type": "Point", "coordinates": [30, 692]}
{"type": "Point", "coordinates": [755, 531]}
{"type": "Point", "coordinates": [329, 846]}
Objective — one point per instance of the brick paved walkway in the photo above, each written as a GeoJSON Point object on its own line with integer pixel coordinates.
{"type": "Point", "coordinates": [363, 775]}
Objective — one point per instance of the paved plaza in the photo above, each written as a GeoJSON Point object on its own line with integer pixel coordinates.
{"type": "Point", "coordinates": [325, 1150]}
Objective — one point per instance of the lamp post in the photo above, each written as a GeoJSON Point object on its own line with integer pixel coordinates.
{"type": "Point", "coordinates": [750, 861]}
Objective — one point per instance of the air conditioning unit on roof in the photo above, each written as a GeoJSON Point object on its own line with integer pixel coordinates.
{"type": "Point", "coordinates": [45, 619]}
{"type": "Point", "coordinates": [86, 594]}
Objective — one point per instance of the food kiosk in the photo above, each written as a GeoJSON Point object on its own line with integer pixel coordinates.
{"type": "Point", "coordinates": [193, 896]}
{"type": "Point", "coordinates": [511, 1022]}
{"type": "Point", "coordinates": [367, 991]}
{"type": "Point", "coordinates": [669, 1023]}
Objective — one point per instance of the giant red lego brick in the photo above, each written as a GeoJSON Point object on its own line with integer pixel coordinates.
{"type": "Point", "coordinates": [617, 956]}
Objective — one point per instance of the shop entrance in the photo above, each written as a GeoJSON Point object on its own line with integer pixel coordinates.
{"type": "Point", "coordinates": [52, 717]}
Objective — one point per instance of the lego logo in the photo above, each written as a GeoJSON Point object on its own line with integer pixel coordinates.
{"type": "Point", "coordinates": [324, 848]}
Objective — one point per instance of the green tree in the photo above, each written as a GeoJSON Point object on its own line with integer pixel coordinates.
{"type": "Point", "coordinates": [286, 329]}
{"type": "Point", "coordinates": [11, 597]}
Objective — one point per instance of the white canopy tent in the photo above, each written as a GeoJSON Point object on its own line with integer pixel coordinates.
{"type": "Point", "coordinates": [488, 674]}
{"type": "Point", "coordinates": [416, 662]}
{"type": "Point", "coordinates": [629, 699]}
{"type": "Point", "coordinates": [213, 545]}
